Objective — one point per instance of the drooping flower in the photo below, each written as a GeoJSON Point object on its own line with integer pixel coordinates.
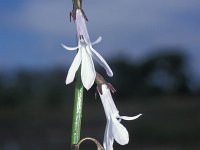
{"type": "Point", "coordinates": [85, 54]}
{"type": "Point", "coordinates": [114, 129]}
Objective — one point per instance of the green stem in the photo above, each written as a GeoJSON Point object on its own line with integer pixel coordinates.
{"type": "Point", "coordinates": [77, 113]}
{"type": "Point", "coordinates": [78, 100]}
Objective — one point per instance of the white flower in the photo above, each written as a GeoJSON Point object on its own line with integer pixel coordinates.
{"type": "Point", "coordinates": [114, 129]}
{"type": "Point", "coordinates": [84, 55]}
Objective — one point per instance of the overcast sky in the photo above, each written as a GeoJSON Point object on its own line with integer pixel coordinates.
{"type": "Point", "coordinates": [31, 31]}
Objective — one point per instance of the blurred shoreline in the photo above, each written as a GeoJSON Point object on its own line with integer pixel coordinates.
{"type": "Point", "coordinates": [167, 123]}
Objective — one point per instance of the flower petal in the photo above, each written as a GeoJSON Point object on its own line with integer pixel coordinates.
{"type": "Point", "coordinates": [109, 100]}
{"type": "Point", "coordinates": [74, 67]}
{"type": "Point", "coordinates": [130, 118]}
{"type": "Point", "coordinates": [101, 61]}
{"type": "Point", "coordinates": [119, 132]}
{"type": "Point", "coordinates": [88, 73]}
{"type": "Point", "coordinates": [81, 26]}
{"type": "Point", "coordinates": [104, 100]}
{"type": "Point", "coordinates": [70, 48]}
{"type": "Point", "coordinates": [97, 41]}
{"type": "Point", "coordinates": [108, 138]}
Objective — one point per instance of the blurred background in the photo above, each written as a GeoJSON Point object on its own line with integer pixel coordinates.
{"type": "Point", "coordinates": [152, 46]}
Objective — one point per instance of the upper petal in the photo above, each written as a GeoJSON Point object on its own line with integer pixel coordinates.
{"type": "Point", "coordinates": [119, 132]}
{"type": "Point", "coordinates": [88, 73]}
{"type": "Point", "coordinates": [70, 48]}
{"type": "Point", "coordinates": [130, 118]}
{"type": "Point", "coordinates": [74, 67]}
{"type": "Point", "coordinates": [101, 61]}
{"type": "Point", "coordinates": [98, 40]}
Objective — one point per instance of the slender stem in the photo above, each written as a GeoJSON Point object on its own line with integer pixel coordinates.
{"type": "Point", "coordinates": [78, 99]}
{"type": "Point", "coordinates": [77, 113]}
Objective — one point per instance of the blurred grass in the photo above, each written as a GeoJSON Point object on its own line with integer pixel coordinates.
{"type": "Point", "coordinates": [167, 123]}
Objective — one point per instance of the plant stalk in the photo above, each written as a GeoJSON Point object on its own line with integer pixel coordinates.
{"type": "Point", "coordinates": [78, 98]}
{"type": "Point", "coordinates": [77, 112]}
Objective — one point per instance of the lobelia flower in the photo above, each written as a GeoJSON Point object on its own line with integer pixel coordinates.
{"type": "Point", "coordinates": [85, 54]}
{"type": "Point", "coordinates": [114, 129]}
